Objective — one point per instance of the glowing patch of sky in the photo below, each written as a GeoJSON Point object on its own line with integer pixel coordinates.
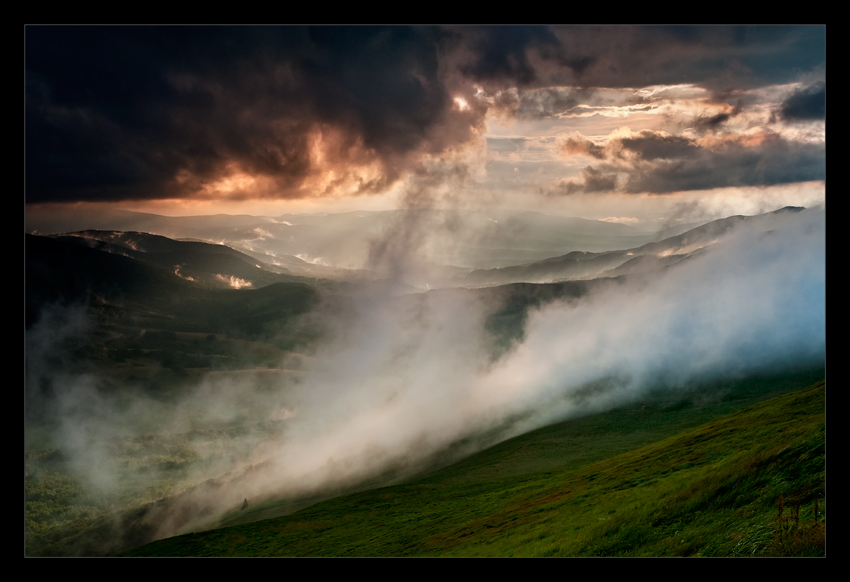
{"type": "Point", "coordinates": [520, 158]}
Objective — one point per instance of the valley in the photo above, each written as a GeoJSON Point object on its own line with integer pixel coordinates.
{"type": "Point", "coordinates": [168, 387]}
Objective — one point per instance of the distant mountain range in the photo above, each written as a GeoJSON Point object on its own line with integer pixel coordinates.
{"type": "Point", "coordinates": [579, 265]}
{"type": "Point", "coordinates": [71, 264]}
{"type": "Point", "coordinates": [146, 288]}
{"type": "Point", "coordinates": [215, 265]}
{"type": "Point", "coordinates": [321, 245]}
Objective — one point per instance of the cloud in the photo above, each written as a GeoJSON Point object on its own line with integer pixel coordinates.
{"type": "Point", "coordinates": [659, 163]}
{"type": "Point", "coordinates": [500, 54]}
{"type": "Point", "coordinates": [636, 56]}
{"type": "Point", "coordinates": [592, 180]}
{"type": "Point", "coordinates": [773, 161]}
{"type": "Point", "coordinates": [150, 112]}
{"type": "Point", "coordinates": [744, 305]}
{"type": "Point", "coordinates": [540, 103]}
{"type": "Point", "coordinates": [398, 379]}
{"type": "Point", "coordinates": [806, 104]}
{"type": "Point", "coordinates": [581, 145]}
{"type": "Point", "coordinates": [118, 113]}
{"type": "Point", "coordinates": [713, 122]}
{"type": "Point", "coordinates": [648, 145]}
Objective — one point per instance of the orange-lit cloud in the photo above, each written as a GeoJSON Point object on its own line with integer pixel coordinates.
{"type": "Point", "coordinates": [300, 118]}
{"type": "Point", "coordinates": [659, 162]}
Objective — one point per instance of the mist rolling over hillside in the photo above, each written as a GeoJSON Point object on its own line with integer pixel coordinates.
{"type": "Point", "coordinates": [327, 260]}
{"type": "Point", "coordinates": [398, 379]}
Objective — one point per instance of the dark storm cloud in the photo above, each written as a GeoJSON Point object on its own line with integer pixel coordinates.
{"type": "Point", "coordinates": [720, 58]}
{"type": "Point", "coordinates": [714, 122]}
{"type": "Point", "coordinates": [645, 145]}
{"type": "Point", "coordinates": [652, 146]}
{"type": "Point", "coordinates": [659, 163]}
{"type": "Point", "coordinates": [775, 161]}
{"type": "Point", "coordinates": [120, 112]}
{"type": "Point", "coordinates": [504, 53]}
{"type": "Point", "coordinates": [159, 112]}
{"type": "Point", "coordinates": [806, 104]}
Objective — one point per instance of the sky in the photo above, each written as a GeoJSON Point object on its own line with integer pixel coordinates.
{"type": "Point", "coordinates": [627, 124]}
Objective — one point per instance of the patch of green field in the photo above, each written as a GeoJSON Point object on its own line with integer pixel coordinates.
{"type": "Point", "coordinates": [638, 481]}
{"type": "Point", "coordinates": [60, 512]}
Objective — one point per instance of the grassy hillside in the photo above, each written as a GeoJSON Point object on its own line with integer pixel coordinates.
{"type": "Point", "coordinates": [150, 333]}
{"type": "Point", "coordinates": [745, 483]}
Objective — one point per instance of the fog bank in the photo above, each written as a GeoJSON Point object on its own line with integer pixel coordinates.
{"type": "Point", "coordinates": [400, 379]}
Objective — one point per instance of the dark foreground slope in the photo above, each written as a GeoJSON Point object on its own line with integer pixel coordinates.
{"type": "Point", "coordinates": [747, 483]}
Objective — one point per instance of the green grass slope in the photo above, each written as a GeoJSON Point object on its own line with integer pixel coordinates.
{"type": "Point", "coordinates": [746, 483]}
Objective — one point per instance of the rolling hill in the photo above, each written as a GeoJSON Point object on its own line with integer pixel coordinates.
{"type": "Point", "coordinates": [589, 265]}
{"type": "Point", "coordinates": [745, 483]}
{"type": "Point", "coordinates": [335, 243]}
{"type": "Point", "coordinates": [156, 334]}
